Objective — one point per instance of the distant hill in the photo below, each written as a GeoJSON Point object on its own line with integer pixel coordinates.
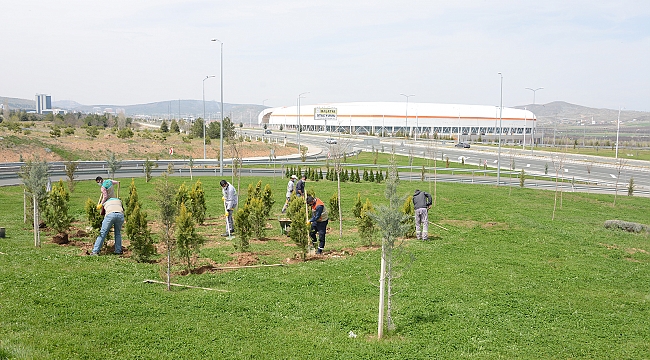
{"type": "Point", "coordinates": [15, 103]}
{"type": "Point", "coordinates": [560, 111]}
{"type": "Point", "coordinates": [557, 111]}
{"type": "Point", "coordinates": [238, 112]}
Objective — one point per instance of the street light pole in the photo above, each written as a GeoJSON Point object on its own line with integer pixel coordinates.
{"type": "Point", "coordinates": [221, 127]}
{"type": "Point", "coordinates": [206, 78]}
{"type": "Point", "coordinates": [299, 126]}
{"type": "Point", "coordinates": [406, 117]}
{"type": "Point", "coordinates": [500, 131]}
{"type": "Point", "coordinates": [534, 91]}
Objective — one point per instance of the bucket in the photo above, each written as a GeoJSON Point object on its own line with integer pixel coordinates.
{"type": "Point", "coordinates": [2, 232]}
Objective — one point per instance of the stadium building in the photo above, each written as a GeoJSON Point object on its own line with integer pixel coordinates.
{"type": "Point", "coordinates": [461, 122]}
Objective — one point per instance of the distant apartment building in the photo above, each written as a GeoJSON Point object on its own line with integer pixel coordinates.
{"type": "Point", "coordinates": [43, 104]}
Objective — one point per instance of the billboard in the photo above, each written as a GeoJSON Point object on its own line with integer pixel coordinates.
{"type": "Point", "coordinates": [325, 114]}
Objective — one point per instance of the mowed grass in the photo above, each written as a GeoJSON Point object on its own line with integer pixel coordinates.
{"type": "Point", "coordinates": [505, 281]}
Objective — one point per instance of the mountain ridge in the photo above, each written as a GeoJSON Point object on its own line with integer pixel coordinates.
{"type": "Point", "coordinates": [556, 111]}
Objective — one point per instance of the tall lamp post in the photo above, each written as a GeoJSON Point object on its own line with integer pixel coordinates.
{"type": "Point", "coordinates": [206, 78]}
{"type": "Point", "coordinates": [532, 134]}
{"type": "Point", "coordinates": [534, 91]}
{"type": "Point", "coordinates": [406, 117]}
{"type": "Point", "coordinates": [221, 127]}
{"type": "Point", "coordinates": [300, 96]}
{"type": "Point", "coordinates": [500, 131]}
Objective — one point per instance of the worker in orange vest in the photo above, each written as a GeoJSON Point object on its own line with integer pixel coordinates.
{"type": "Point", "coordinates": [318, 222]}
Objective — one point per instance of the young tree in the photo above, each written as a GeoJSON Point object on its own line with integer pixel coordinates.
{"type": "Point", "coordinates": [190, 163]}
{"type": "Point", "coordinates": [356, 210]}
{"type": "Point", "coordinates": [256, 217]}
{"type": "Point", "coordinates": [182, 196]}
{"type": "Point", "coordinates": [57, 210]}
{"type": "Point", "coordinates": [334, 213]}
{"type": "Point", "coordinates": [188, 241]}
{"type": "Point", "coordinates": [366, 223]}
{"type": "Point", "coordinates": [243, 230]}
{"type": "Point", "coordinates": [198, 206]}
{"type": "Point", "coordinates": [148, 166]}
{"type": "Point", "coordinates": [630, 187]}
{"type": "Point", "coordinates": [163, 127]}
{"type": "Point", "coordinates": [409, 222]}
{"type": "Point", "coordinates": [267, 199]}
{"type": "Point", "coordinates": [136, 226]}
{"type": "Point", "coordinates": [299, 230]}
{"type": "Point", "coordinates": [94, 218]}
{"type": "Point", "coordinates": [165, 199]}
{"type": "Point", "coordinates": [174, 127]}
{"type": "Point", "coordinates": [197, 128]}
{"type": "Point", "coordinates": [34, 176]}
{"type": "Point", "coordinates": [70, 169]}
{"type": "Point", "coordinates": [390, 220]}
{"type": "Point", "coordinates": [558, 164]}
{"type": "Point", "coordinates": [139, 234]}
{"type": "Point", "coordinates": [620, 165]}
{"type": "Point", "coordinates": [113, 164]}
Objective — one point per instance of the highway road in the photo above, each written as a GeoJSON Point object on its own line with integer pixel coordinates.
{"type": "Point", "coordinates": [590, 173]}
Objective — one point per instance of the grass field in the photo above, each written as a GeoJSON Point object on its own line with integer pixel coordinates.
{"type": "Point", "coordinates": [504, 282]}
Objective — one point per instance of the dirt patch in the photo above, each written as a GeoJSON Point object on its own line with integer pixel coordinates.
{"type": "Point", "coordinates": [243, 259]}
{"type": "Point", "coordinates": [139, 146]}
{"type": "Point", "coordinates": [60, 239]}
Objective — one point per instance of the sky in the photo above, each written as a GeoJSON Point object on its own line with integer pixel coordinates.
{"type": "Point", "coordinates": [591, 53]}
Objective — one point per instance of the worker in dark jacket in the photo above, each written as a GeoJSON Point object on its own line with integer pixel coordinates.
{"type": "Point", "coordinates": [300, 186]}
{"type": "Point", "coordinates": [318, 222]}
{"type": "Point", "coordinates": [422, 202]}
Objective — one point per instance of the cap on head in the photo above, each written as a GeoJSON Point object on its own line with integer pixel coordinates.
{"type": "Point", "coordinates": [294, 177]}
{"type": "Point", "coordinates": [223, 183]}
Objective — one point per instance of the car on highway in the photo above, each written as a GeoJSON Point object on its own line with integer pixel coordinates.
{"type": "Point", "coordinates": [330, 141]}
{"type": "Point", "coordinates": [462, 145]}
{"type": "Point", "coordinates": [267, 131]}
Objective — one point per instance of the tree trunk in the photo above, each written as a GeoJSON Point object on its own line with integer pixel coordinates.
{"type": "Point", "coordinates": [338, 189]}
{"type": "Point", "coordinates": [37, 233]}
{"type": "Point", "coordinates": [382, 290]}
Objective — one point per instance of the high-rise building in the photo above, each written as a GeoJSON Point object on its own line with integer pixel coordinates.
{"type": "Point", "coordinates": [43, 103]}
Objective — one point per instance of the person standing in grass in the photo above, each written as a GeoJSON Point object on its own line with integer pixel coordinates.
{"type": "Point", "coordinates": [114, 218]}
{"type": "Point", "coordinates": [108, 188]}
{"type": "Point", "coordinates": [422, 202]}
{"type": "Point", "coordinates": [300, 186]}
{"type": "Point", "coordinates": [290, 189]}
{"type": "Point", "coordinates": [318, 222]}
{"type": "Point", "coordinates": [230, 202]}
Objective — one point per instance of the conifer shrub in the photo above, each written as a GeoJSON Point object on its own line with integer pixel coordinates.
{"type": "Point", "coordinates": [243, 229]}
{"type": "Point", "coordinates": [139, 234]}
{"type": "Point", "coordinates": [188, 241]}
{"type": "Point", "coordinates": [366, 223]}
{"type": "Point", "coordinates": [299, 230]}
{"type": "Point", "coordinates": [409, 220]}
{"type": "Point", "coordinates": [356, 210]}
{"type": "Point", "coordinates": [333, 210]}
{"type": "Point", "coordinates": [57, 210]}
{"type": "Point", "coordinates": [198, 207]}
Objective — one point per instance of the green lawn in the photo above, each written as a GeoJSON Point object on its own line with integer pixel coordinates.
{"type": "Point", "coordinates": [504, 282]}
